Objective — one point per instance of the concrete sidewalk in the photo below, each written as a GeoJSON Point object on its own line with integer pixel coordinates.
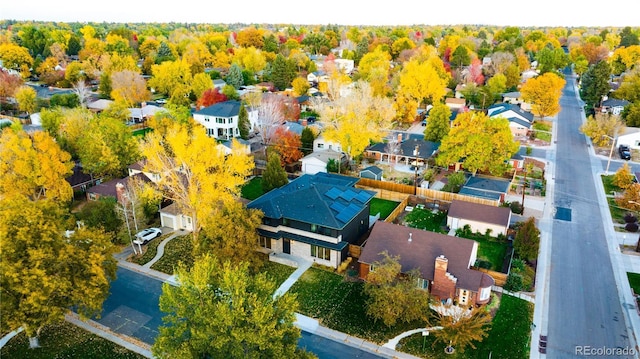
{"type": "Point", "coordinates": [301, 264]}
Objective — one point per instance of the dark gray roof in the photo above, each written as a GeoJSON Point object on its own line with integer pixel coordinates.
{"type": "Point", "coordinates": [514, 94]}
{"type": "Point", "coordinates": [425, 148]}
{"type": "Point", "coordinates": [373, 169]}
{"type": "Point", "coordinates": [485, 187]}
{"type": "Point", "coordinates": [304, 239]}
{"type": "Point", "coordinates": [221, 109]}
{"type": "Point", "coordinates": [501, 108]}
{"type": "Point", "coordinates": [325, 199]}
{"type": "Point", "coordinates": [480, 193]}
{"type": "Point", "coordinates": [614, 102]}
{"type": "Point", "coordinates": [520, 122]}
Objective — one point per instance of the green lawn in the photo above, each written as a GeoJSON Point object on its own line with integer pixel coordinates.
{"type": "Point", "coordinates": [493, 251]}
{"type": "Point", "coordinates": [178, 249]}
{"type": "Point", "coordinates": [341, 305]}
{"type": "Point", "coordinates": [634, 281]}
{"type": "Point", "coordinates": [427, 220]}
{"type": "Point", "coordinates": [252, 189]}
{"type": "Point", "coordinates": [609, 187]}
{"type": "Point", "coordinates": [542, 126]}
{"type": "Point", "coordinates": [150, 252]}
{"type": "Point", "coordinates": [276, 271]}
{"type": "Point", "coordinates": [508, 337]}
{"type": "Point", "coordinates": [141, 132]}
{"type": "Point", "coordinates": [65, 340]}
{"type": "Point", "coordinates": [382, 206]}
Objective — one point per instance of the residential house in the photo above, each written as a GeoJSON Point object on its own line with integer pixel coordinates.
{"type": "Point", "coordinates": [99, 105]}
{"type": "Point", "coordinates": [139, 115]}
{"type": "Point", "coordinates": [443, 262]}
{"type": "Point", "coordinates": [631, 138]}
{"type": "Point", "coordinates": [517, 161]}
{"type": "Point", "coordinates": [613, 106]}
{"type": "Point", "coordinates": [316, 76]}
{"type": "Point", "coordinates": [221, 119]}
{"type": "Point", "coordinates": [172, 217]}
{"type": "Point", "coordinates": [110, 188]}
{"type": "Point", "coordinates": [317, 161]}
{"type": "Point", "coordinates": [486, 187]}
{"type": "Point", "coordinates": [79, 180]}
{"type": "Point", "coordinates": [528, 74]}
{"type": "Point", "coordinates": [406, 148]}
{"type": "Point", "coordinates": [314, 217]}
{"type": "Point", "coordinates": [515, 98]}
{"type": "Point", "coordinates": [226, 146]}
{"type": "Point", "coordinates": [520, 121]}
{"type": "Point", "coordinates": [456, 104]}
{"type": "Point", "coordinates": [371, 172]}
{"type": "Point", "coordinates": [219, 84]}
{"type": "Point", "coordinates": [138, 167]}
{"type": "Point", "coordinates": [321, 144]}
{"type": "Point", "coordinates": [480, 217]}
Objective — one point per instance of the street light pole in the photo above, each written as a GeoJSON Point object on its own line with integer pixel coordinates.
{"type": "Point", "coordinates": [415, 177]}
{"type": "Point", "coordinates": [613, 142]}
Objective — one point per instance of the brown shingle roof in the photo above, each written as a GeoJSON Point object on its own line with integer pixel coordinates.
{"type": "Point", "coordinates": [421, 252]}
{"type": "Point", "coordinates": [109, 188]}
{"type": "Point", "coordinates": [480, 213]}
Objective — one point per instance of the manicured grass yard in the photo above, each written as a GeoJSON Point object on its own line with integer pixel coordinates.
{"type": "Point", "coordinates": [142, 132]}
{"type": "Point", "coordinates": [617, 213]}
{"type": "Point", "coordinates": [276, 271]}
{"type": "Point", "coordinates": [542, 126]}
{"type": "Point", "coordinates": [508, 337]}
{"type": "Point", "coordinates": [340, 305]}
{"type": "Point", "coordinates": [634, 281]}
{"type": "Point", "coordinates": [493, 251]}
{"type": "Point", "coordinates": [252, 189]}
{"type": "Point", "coordinates": [65, 340]}
{"type": "Point", "coordinates": [150, 251]}
{"type": "Point", "coordinates": [178, 249]}
{"type": "Point", "coordinates": [382, 206]}
{"type": "Point", "coordinates": [427, 220]}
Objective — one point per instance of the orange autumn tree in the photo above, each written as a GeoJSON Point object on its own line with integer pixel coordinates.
{"type": "Point", "coordinates": [287, 144]}
{"type": "Point", "coordinates": [210, 97]}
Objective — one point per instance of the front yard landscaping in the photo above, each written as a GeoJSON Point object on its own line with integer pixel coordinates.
{"type": "Point", "coordinates": [617, 213]}
{"type": "Point", "coordinates": [341, 305]}
{"type": "Point", "coordinates": [382, 206]}
{"type": "Point", "coordinates": [543, 130]}
{"type": "Point", "coordinates": [178, 249]}
{"type": "Point", "coordinates": [276, 271]}
{"type": "Point", "coordinates": [149, 252]}
{"type": "Point", "coordinates": [634, 281]}
{"type": "Point", "coordinates": [65, 340]}
{"type": "Point", "coordinates": [508, 337]}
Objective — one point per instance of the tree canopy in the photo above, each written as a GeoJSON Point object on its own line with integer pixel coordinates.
{"type": "Point", "coordinates": [543, 93]}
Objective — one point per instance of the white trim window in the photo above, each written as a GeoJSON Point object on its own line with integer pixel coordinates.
{"type": "Point", "coordinates": [321, 252]}
{"type": "Point", "coordinates": [423, 284]}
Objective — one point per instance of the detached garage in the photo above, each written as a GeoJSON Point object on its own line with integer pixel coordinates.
{"type": "Point", "coordinates": [479, 217]}
{"type": "Point", "coordinates": [317, 161]}
{"type": "Point", "coordinates": [170, 217]}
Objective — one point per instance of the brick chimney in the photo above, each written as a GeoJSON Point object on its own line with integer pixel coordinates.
{"type": "Point", "coordinates": [120, 193]}
{"type": "Point", "coordinates": [444, 284]}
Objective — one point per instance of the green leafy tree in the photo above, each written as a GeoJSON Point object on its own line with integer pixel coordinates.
{"type": "Point", "coordinates": [461, 329]}
{"type": "Point", "coordinates": [70, 100]}
{"type": "Point", "coordinates": [102, 214]}
{"type": "Point", "coordinates": [394, 296]}
{"type": "Point", "coordinates": [460, 57]}
{"type": "Point", "coordinates": [307, 137]}
{"type": "Point", "coordinates": [455, 181]}
{"type": "Point", "coordinates": [234, 77]}
{"type": "Point", "coordinates": [274, 175]}
{"type": "Point", "coordinates": [527, 240]}
{"type": "Point", "coordinates": [595, 84]}
{"type": "Point", "coordinates": [479, 142]}
{"type": "Point", "coordinates": [243, 123]}
{"type": "Point", "coordinates": [44, 272]}
{"type": "Point", "coordinates": [438, 124]}
{"type": "Point", "coordinates": [628, 37]}
{"type": "Point", "coordinates": [551, 59]}
{"type": "Point", "coordinates": [221, 310]}
{"type": "Point", "coordinates": [631, 114]}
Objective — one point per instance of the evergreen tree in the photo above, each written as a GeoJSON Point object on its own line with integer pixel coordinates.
{"type": "Point", "coordinates": [283, 72]}
{"type": "Point", "coordinates": [595, 84]}
{"type": "Point", "coordinates": [527, 240]}
{"type": "Point", "coordinates": [234, 77]}
{"type": "Point", "coordinates": [628, 37]}
{"type": "Point", "coordinates": [164, 53]}
{"type": "Point", "coordinates": [307, 138]}
{"type": "Point", "coordinates": [274, 175]}
{"type": "Point", "coordinates": [243, 123]}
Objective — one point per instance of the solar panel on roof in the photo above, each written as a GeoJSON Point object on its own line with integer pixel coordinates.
{"type": "Point", "coordinates": [344, 216]}
{"type": "Point", "coordinates": [348, 195]}
{"type": "Point", "coordinates": [337, 206]}
{"type": "Point", "coordinates": [354, 208]}
{"type": "Point", "coordinates": [362, 197]}
{"type": "Point", "coordinates": [333, 193]}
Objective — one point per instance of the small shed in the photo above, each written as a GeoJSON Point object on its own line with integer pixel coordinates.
{"type": "Point", "coordinates": [171, 217]}
{"type": "Point", "coordinates": [372, 172]}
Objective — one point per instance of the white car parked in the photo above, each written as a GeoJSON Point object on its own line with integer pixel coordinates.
{"type": "Point", "coordinates": [146, 235]}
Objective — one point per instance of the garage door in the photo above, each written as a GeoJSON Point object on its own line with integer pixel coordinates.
{"type": "Point", "coordinates": [167, 221]}
{"type": "Point", "coordinates": [312, 168]}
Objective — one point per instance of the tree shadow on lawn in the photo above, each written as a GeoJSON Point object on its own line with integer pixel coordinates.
{"type": "Point", "coordinates": [341, 305]}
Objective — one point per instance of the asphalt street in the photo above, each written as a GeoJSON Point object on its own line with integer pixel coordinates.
{"type": "Point", "coordinates": [132, 309]}
{"type": "Point", "coordinates": [584, 306]}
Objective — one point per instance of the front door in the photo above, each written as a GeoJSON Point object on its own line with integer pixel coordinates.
{"type": "Point", "coordinates": [286, 245]}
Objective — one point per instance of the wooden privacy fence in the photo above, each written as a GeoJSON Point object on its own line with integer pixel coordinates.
{"type": "Point", "coordinates": [396, 212]}
{"type": "Point", "coordinates": [387, 189]}
{"type": "Point", "coordinates": [499, 278]}
{"type": "Point", "coordinates": [354, 251]}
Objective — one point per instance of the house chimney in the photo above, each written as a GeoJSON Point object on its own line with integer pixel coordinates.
{"type": "Point", "coordinates": [120, 195]}
{"type": "Point", "coordinates": [442, 263]}
{"type": "Point", "coordinates": [399, 137]}
{"type": "Point", "coordinates": [410, 236]}
{"type": "Point", "coordinates": [304, 122]}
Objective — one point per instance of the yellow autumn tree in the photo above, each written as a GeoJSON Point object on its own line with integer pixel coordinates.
{"type": "Point", "coordinates": [250, 59]}
{"type": "Point", "coordinates": [26, 97]}
{"type": "Point", "coordinates": [300, 86]}
{"type": "Point", "coordinates": [421, 81]}
{"type": "Point", "coordinates": [33, 166]}
{"type": "Point", "coordinates": [194, 172]}
{"type": "Point", "coordinates": [171, 78]}
{"type": "Point", "coordinates": [374, 67]}
{"type": "Point", "coordinates": [354, 121]}
{"type": "Point", "coordinates": [129, 87]}
{"type": "Point", "coordinates": [16, 57]}
{"type": "Point", "coordinates": [602, 127]}
{"type": "Point", "coordinates": [543, 93]}
{"type": "Point", "coordinates": [479, 142]}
